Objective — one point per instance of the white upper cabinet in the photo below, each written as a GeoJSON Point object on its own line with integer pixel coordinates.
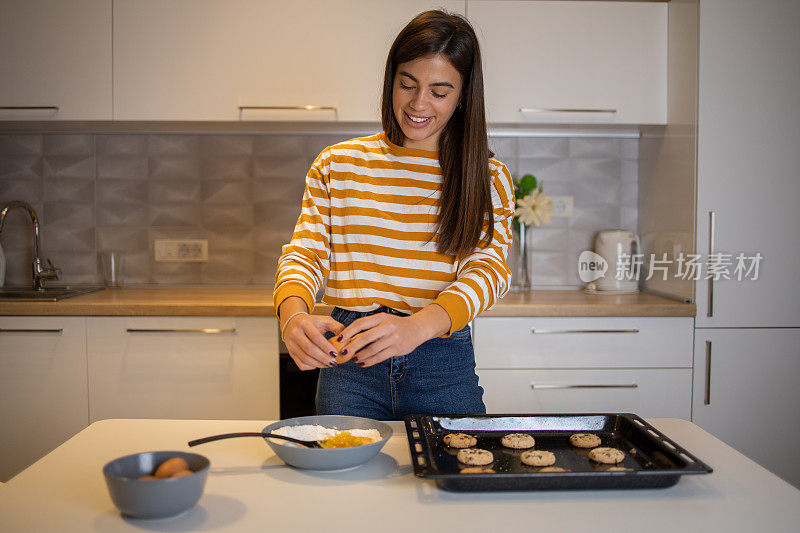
{"type": "Point", "coordinates": [579, 62]}
{"type": "Point", "coordinates": [220, 59]}
{"type": "Point", "coordinates": [748, 162]}
{"type": "Point", "coordinates": [56, 60]}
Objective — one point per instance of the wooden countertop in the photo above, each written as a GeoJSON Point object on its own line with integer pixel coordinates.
{"type": "Point", "coordinates": [257, 301]}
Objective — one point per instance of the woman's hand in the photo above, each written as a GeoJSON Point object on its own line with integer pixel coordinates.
{"type": "Point", "coordinates": [304, 337]}
{"type": "Point", "coordinates": [383, 335]}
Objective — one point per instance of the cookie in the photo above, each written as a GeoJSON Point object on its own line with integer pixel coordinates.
{"type": "Point", "coordinates": [518, 441]}
{"type": "Point", "coordinates": [608, 456]}
{"type": "Point", "coordinates": [553, 469]}
{"type": "Point", "coordinates": [584, 440]}
{"type": "Point", "coordinates": [538, 458]}
{"type": "Point", "coordinates": [475, 457]}
{"type": "Point", "coordinates": [337, 346]}
{"type": "Point", "coordinates": [477, 470]}
{"type": "Point", "coordinates": [618, 469]}
{"type": "Point", "coordinates": [459, 440]}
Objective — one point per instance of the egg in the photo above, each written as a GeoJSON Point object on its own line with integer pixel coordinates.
{"type": "Point", "coordinates": [170, 466]}
{"type": "Point", "coordinates": [182, 473]}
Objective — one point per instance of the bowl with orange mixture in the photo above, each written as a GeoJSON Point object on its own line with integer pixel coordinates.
{"type": "Point", "coordinates": [347, 441]}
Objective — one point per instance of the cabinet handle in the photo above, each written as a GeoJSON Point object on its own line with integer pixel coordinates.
{"type": "Point", "coordinates": [29, 107]}
{"type": "Point", "coordinates": [558, 331]}
{"type": "Point", "coordinates": [707, 397]}
{"type": "Point", "coordinates": [583, 386]}
{"type": "Point", "coordinates": [211, 331]}
{"type": "Point", "coordinates": [710, 310]}
{"type": "Point", "coordinates": [563, 110]}
{"type": "Point", "coordinates": [58, 331]}
{"type": "Point", "coordinates": [290, 108]}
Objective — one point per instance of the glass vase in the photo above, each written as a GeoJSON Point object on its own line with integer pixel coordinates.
{"type": "Point", "coordinates": [521, 275]}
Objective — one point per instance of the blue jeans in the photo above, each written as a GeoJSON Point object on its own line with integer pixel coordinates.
{"type": "Point", "coordinates": [438, 377]}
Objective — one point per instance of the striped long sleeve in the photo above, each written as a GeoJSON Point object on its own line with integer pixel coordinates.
{"type": "Point", "coordinates": [368, 225]}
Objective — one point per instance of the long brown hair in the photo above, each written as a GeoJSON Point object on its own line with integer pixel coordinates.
{"type": "Point", "coordinates": [466, 202]}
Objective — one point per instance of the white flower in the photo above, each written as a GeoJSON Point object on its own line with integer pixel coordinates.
{"type": "Point", "coordinates": [536, 208]}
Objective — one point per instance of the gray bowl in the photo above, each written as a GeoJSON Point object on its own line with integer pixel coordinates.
{"type": "Point", "coordinates": [154, 498]}
{"type": "Point", "coordinates": [330, 458]}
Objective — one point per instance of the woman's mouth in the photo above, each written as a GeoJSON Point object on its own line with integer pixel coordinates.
{"type": "Point", "coordinates": [416, 121]}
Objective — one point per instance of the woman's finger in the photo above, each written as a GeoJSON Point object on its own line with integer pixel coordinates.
{"type": "Point", "coordinates": [379, 350]}
{"type": "Point", "coordinates": [361, 324]}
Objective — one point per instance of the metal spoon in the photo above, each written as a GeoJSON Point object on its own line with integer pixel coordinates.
{"type": "Point", "coordinates": [306, 443]}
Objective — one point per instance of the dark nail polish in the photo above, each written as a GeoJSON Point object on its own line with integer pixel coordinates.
{"type": "Point", "coordinates": [361, 364]}
{"type": "Point", "coordinates": [344, 352]}
{"type": "Point", "coordinates": [355, 359]}
{"type": "Point", "coordinates": [340, 338]}
{"type": "Point", "coordinates": [333, 354]}
{"type": "Point", "coordinates": [332, 363]}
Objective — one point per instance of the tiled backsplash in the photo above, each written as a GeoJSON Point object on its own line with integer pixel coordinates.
{"type": "Point", "coordinates": [242, 192]}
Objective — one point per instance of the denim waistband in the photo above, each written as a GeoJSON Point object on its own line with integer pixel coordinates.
{"type": "Point", "coordinates": [382, 309]}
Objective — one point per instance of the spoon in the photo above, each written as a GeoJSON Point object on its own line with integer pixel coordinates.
{"type": "Point", "coordinates": [306, 443]}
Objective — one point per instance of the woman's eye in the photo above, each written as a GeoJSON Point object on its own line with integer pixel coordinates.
{"type": "Point", "coordinates": [406, 87]}
{"type": "Point", "coordinates": [437, 95]}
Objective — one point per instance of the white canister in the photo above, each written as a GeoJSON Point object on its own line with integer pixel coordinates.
{"type": "Point", "coordinates": [620, 249]}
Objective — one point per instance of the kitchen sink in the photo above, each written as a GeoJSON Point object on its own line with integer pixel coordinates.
{"type": "Point", "coordinates": [48, 294]}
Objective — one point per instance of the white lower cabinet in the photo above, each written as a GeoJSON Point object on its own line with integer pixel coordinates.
{"type": "Point", "coordinates": [43, 382]}
{"type": "Point", "coordinates": [640, 365]}
{"type": "Point", "coordinates": [746, 393]}
{"type": "Point", "coordinates": [646, 392]}
{"type": "Point", "coordinates": [183, 367]}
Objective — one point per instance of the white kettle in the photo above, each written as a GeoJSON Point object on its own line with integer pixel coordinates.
{"type": "Point", "coordinates": [619, 247]}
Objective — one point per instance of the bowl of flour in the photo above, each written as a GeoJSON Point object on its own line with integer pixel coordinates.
{"type": "Point", "coordinates": [321, 427]}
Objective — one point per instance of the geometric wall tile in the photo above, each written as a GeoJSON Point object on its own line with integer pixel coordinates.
{"type": "Point", "coordinates": [171, 167]}
{"type": "Point", "coordinates": [226, 192]}
{"type": "Point", "coordinates": [68, 189]}
{"type": "Point", "coordinates": [117, 144]}
{"type": "Point", "coordinates": [172, 144]}
{"type": "Point", "coordinates": [242, 192]}
{"type": "Point", "coordinates": [226, 167]}
{"type": "Point", "coordinates": [20, 167]}
{"type": "Point", "coordinates": [80, 145]}
{"type": "Point", "coordinates": [18, 145]}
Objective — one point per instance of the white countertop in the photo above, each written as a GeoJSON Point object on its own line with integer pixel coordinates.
{"type": "Point", "coordinates": [250, 489]}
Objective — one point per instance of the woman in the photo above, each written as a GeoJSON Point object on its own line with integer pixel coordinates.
{"type": "Point", "coordinates": [411, 227]}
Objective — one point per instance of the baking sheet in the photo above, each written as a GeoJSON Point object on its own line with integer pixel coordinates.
{"type": "Point", "coordinates": [652, 460]}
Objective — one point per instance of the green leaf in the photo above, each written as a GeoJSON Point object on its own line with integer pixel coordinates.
{"type": "Point", "coordinates": [527, 183]}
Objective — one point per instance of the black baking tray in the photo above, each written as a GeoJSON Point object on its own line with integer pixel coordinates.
{"type": "Point", "coordinates": [652, 460]}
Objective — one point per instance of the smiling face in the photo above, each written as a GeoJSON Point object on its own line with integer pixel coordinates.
{"type": "Point", "coordinates": [425, 94]}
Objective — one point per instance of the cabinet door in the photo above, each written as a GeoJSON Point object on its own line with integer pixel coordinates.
{"type": "Point", "coordinates": [183, 367]}
{"type": "Point", "coordinates": [596, 61]}
{"type": "Point", "coordinates": [43, 382]}
{"type": "Point", "coordinates": [583, 342]}
{"type": "Point", "coordinates": [746, 393]}
{"type": "Point", "coordinates": [748, 160]}
{"type": "Point", "coordinates": [55, 54]}
{"type": "Point", "coordinates": [205, 59]}
{"type": "Point", "coordinates": [647, 392]}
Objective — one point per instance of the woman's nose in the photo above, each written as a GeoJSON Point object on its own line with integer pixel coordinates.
{"type": "Point", "coordinates": [418, 102]}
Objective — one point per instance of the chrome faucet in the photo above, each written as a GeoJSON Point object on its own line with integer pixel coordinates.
{"type": "Point", "coordinates": [41, 273]}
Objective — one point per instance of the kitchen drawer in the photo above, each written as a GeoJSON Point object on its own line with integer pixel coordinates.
{"type": "Point", "coordinates": [169, 367]}
{"type": "Point", "coordinates": [591, 342]}
{"type": "Point", "coordinates": [646, 392]}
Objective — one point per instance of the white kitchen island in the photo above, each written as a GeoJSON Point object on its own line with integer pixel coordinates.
{"type": "Point", "coordinates": [250, 489]}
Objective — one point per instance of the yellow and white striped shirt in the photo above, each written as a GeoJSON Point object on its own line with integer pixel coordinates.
{"type": "Point", "coordinates": [368, 225]}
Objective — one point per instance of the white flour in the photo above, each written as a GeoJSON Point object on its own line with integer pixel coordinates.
{"type": "Point", "coordinates": [309, 432]}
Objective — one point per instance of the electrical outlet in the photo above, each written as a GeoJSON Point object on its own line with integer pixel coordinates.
{"type": "Point", "coordinates": [562, 206]}
{"type": "Point", "coordinates": [181, 250]}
